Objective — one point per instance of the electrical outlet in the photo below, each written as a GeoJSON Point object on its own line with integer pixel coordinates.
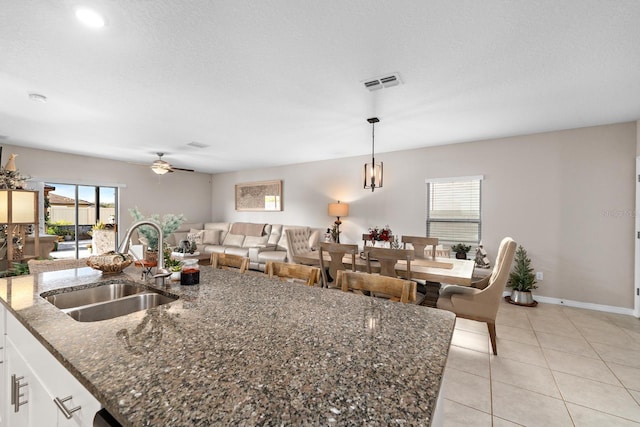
{"type": "Point", "coordinates": [539, 275]}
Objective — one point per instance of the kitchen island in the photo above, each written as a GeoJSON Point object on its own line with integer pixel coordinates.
{"type": "Point", "coordinates": [246, 350]}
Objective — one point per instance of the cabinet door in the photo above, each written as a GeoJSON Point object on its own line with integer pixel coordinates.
{"type": "Point", "coordinates": [33, 405]}
{"type": "Point", "coordinates": [55, 379]}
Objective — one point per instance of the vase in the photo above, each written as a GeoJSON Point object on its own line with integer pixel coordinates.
{"type": "Point", "coordinates": [175, 276]}
{"type": "Point", "coordinates": [151, 256]}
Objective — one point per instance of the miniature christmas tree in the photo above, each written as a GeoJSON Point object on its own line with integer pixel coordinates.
{"type": "Point", "coordinates": [522, 277]}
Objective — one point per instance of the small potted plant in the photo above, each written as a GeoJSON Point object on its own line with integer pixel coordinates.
{"type": "Point", "coordinates": [522, 280]}
{"type": "Point", "coordinates": [460, 250]}
{"type": "Point", "coordinates": [174, 266]}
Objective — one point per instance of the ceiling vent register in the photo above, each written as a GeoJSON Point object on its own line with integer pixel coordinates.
{"type": "Point", "coordinates": [382, 82]}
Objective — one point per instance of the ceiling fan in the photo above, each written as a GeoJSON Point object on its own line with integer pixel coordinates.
{"type": "Point", "coordinates": [161, 167]}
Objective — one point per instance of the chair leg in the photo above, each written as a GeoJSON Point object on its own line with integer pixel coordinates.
{"type": "Point", "coordinates": [492, 335]}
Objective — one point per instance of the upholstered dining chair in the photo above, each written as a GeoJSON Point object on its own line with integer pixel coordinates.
{"type": "Point", "coordinates": [388, 258]}
{"type": "Point", "coordinates": [419, 244]}
{"type": "Point", "coordinates": [295, 272]}
{"type": "Point", "coordinates": [224, 261]}
{"type": "Point", "coordinates": [336, 252]}
{"type": "Point", "coordinates": [395, 288]}
{"type": "Point", "coordinates": [481, 304]}
{"type": "Point", "coordinates": [45, 265]}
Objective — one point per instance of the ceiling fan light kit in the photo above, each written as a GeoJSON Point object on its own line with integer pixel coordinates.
{"type": "Point", "coordinates": [161, 167]}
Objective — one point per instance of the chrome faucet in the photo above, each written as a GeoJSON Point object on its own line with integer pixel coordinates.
{"type": "Point", "coordinates": [161, 272]}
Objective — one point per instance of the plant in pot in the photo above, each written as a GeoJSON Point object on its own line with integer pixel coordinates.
{"type": "Point", "coordinates": [174, 266]}
{"type": "Point", "coordinates": [460, 250]}
{"type": "Point", "coordinates": [149, 236]}
{"type": "Point", "coordinates": [522, 280]}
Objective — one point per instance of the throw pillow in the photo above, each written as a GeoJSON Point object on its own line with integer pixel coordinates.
{"type": "Point", "coordinates": [195, 236]}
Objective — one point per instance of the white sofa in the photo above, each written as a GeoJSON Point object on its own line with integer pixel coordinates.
{"type": "Point", "coordinates": [259, 242]}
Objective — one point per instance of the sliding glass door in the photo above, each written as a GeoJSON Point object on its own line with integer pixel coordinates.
{"type": "Point", "coordinates": [71, 212]}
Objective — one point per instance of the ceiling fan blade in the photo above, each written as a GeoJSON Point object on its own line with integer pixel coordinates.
{"type": "Point", "coordinates": [181, 169]}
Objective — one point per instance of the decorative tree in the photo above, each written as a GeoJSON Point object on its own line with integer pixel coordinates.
{"type": "Point", "coordinates": [169, 224]}
{"type": "Point", "coordinates": [522, 277]}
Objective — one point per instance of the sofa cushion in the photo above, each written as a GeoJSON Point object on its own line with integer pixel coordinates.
{"type": "Point", "coordinates": [211, 237]}
{"type": "Point", "coordinates": [253, 241]}
{"type": "Point", "coordinates": [223, 226]}
{"type": "Point", "coordinates": [247, 228]}
{"type": "Point", "coordinates": [236, 251]}
{"type": "Point", "coordinates": [233, 240]}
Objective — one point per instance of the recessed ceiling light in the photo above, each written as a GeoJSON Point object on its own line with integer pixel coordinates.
{"type": "Point", "coordinates": [38, 97]}
{"type": "Point", "coordinates": [90, 17]}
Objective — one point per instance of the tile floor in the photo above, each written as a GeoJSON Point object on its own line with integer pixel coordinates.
{"type": "Point", "coordinates": [556, 366]}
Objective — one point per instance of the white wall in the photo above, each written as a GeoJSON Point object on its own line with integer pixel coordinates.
{"type": "Point", "coordinates": [178, 192]}
{"type": "Point", "coordinates": [565, 196]}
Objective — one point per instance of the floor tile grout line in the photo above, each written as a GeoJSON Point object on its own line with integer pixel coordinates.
{"type": "Point", "coordinates": [604, 361]}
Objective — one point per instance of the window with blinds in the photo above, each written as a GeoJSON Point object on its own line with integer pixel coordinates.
{"type": "Point", "coordinates": [453, 209]}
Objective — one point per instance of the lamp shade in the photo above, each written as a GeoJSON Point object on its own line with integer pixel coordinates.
{"type": "Point", "coordinates": [18, 206]}
{"type": "Point", "coordinates": [338, 209]}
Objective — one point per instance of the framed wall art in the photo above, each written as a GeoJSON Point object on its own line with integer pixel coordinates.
{"type": "Point", "coordinates": [259, 196]}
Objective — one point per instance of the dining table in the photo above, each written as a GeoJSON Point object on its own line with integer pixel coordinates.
{"type": "Point", "coordinates": [444, 270]}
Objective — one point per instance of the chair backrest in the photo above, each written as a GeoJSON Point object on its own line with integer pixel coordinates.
{"type": "Point", "coordinates": [336, 252]}
{"type": "Point", "coordinates": [388, 258]}
{"type": "Point", "coordinates": [499, 276]}
{"type": "Point", "coordinates": [224, 261]}
{"type": "Point", "coordinates": [398, 289]}
{"type": "Point", "coordinates": [419, 244]}
{"type": "Point", "coordinates": [297, 242]}
{"type": "Point", "coordinates": [42, 266]}
{"type": "Point", "coordinates": [306, 273]}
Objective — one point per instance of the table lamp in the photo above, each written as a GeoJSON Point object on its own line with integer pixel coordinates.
{"type": "Point", "coordinates": [338, 210]}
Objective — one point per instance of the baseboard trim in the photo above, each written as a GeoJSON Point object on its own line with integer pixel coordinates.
{"type": "Point", "coordinates": [580, 304]}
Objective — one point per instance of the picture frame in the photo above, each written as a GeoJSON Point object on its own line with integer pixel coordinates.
{"type": "Point", "coordinates": [261, 196]}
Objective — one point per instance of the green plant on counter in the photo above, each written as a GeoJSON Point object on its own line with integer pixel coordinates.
{"type": "Point", "coordinates": [460, 248]}
{"type": "Point", "coordinates": [173, 264]}
{"type": "Point", "coordinates": [168, 224]}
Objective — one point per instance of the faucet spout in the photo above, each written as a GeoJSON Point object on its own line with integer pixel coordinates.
{"type": "Point", "coordinates": [161, 272]}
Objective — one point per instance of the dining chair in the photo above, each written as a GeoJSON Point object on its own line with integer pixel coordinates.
{"type": "Point", "coordinates": [224, 261]}
{"type": "Point", "coordinates": [336, 252]}
{"type": "Point", "coordinates": [45, 265]}
{"type": "Point", "coordinates": [481, 304]}
{"type": "Point", "coordinates": [295, 272]}
{"type": "Point", "coordinates": [388, 258]}
{"type": "Point", "coordinates": [419, 244]}
{"type": "Point", "coordinates": [395, 288]}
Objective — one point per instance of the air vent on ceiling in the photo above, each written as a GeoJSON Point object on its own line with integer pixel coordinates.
{"type": "Point", "coordinates": [197, 144]}
{"type": "Point", "coordinates": [382, 82]}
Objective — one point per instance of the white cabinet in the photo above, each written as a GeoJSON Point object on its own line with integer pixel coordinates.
{"type": "Point", "coordinates": [34, 379]}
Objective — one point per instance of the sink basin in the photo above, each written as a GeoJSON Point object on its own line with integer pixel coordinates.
{"type": "Point", "coordinates": [102, 293]}
{"type": "Point", "coordinates": [118, 307]}
{"type": "Point", "coordinates": [106, 301]}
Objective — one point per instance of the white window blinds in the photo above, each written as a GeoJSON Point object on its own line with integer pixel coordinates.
{"type": "Point", "coordinates": [453, 209]}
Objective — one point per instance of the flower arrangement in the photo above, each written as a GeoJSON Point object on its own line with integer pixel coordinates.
{"type": "Point", "coordinates": [169, 224]}
{"type": "Point", "coordinates": [380, 234]}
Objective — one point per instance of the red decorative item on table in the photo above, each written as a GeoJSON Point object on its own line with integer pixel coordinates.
{"type": "Point", "coordinates": [379, 234]}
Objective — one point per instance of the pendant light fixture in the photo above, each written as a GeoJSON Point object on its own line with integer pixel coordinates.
{"type": "Point", "coordinates": [373, 170]}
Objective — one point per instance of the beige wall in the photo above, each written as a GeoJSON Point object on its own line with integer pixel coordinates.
{"type": "Point", "coordinates": [566, 196]}
{"type": "Point", "coordinates": [178, 192]}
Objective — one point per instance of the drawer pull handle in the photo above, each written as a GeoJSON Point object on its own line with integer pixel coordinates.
{"type": "Point", "coordinates": [15, 392]}
{"type": "Point", "coordinates": [68, 413]}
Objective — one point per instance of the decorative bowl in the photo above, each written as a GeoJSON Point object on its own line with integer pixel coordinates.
{"type": "Point", "coordinates": [110, 262]}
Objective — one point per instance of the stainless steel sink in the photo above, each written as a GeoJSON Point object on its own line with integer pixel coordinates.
{"type": "Point", "coordinates": [106, 301]}
{"type": "Point", "coordinates": [102, 293]}
{"type": "Point", "coordinates": [118, 307]}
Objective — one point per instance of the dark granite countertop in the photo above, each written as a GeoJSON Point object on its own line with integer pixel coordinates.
{"type": "Point", "coordinates": [246, 350]}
